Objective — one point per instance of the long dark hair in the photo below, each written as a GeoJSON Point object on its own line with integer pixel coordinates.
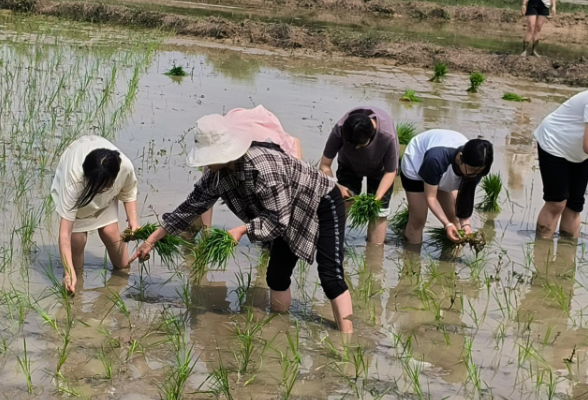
{"type": "Point", "coordinates": [476, 153]}
{"type": "Point", "coordinates": [101, 167]}
{"type": "Point", "coordinates": [358, 128]}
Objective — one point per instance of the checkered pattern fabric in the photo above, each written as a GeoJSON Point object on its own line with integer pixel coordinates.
{"type": "Point", "coordinates": [275, 195]}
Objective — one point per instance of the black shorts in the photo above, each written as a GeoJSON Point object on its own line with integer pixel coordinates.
{"type": "Point", "coordinates": [537, 7]}
{"type": "Point", "coordinates": [329, 250]}
{"type": "Point", "coordinates": [410, 185]}
{"type": "Point", "coordinates": [347, 177]}
{"type": "Point", "coordinates": [563, 180]}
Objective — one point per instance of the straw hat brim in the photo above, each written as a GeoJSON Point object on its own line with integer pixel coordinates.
{"type": "Point", "coordinates": [219, 153]}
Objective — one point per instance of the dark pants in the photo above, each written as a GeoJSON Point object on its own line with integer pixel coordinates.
{"type": "Point", "coordinates": [329, 256]}
{"type": "Point", "coordinates": [563, 180]}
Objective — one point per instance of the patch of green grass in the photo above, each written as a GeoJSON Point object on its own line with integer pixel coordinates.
{"type": "Point", "coordinates": [405, 132]}
{"type": "Point", "coordinates": [476, 80]}
{"type": "Point", "coordinates": [514, 97]}
{"type": "Point", "coordinates": [440, 72]}
{"type": "Point", "coordinates": [410, 97]}
{"type": "Point", "coordinates": [176, 70]}
{"type": "Point", "coordinates": [492, 186]}
{"type": "Point", "coordinates": [214, 249]}
{"type": "Point", "coordinates": [169, 248]}
{"type": "Point", "coordinates": [365, 209]}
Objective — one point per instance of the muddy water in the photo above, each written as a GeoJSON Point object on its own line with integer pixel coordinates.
{"type": "Point", "coordinates": [519, 306]}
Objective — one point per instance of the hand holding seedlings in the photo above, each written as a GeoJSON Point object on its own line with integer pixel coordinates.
{"type": "Point", "coordinates": [452, 233]}
{"type": "Point", "coordinates": [238, 232]}
{"type": "Point", "coordinates": [69, 282]}
{"type": "Point", "coordinates": [153, 241]}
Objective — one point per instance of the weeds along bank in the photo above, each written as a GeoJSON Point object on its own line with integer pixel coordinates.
{"type": "Point", "coordinates": [285, 36]}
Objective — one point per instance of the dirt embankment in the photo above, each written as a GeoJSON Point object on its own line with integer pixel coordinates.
{"type": "Point", "coordinates": [290, 37]}
{"type": "Point", "coordinates": [430, 11]}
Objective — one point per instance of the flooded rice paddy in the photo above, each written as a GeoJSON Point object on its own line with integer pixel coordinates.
{"type": "Point", "coordinates": [507, 323]}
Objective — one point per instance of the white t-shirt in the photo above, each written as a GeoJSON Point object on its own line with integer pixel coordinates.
{"type": "Point", "coordinates": [445, 142]}
{"type": "Point", "coordinates": [561, 133]}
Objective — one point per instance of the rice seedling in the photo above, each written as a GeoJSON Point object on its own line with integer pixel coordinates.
{"type": "Point", "coordinates": [214, 248]}
{"type": "Point", "coordinates": [364, 210]}
{"type": "Point", "coordinates": [476, 80]}
{"type": "Point", "coordinates": [174, 382]}
{"type": "Point", "coordinates": [440, 72]}
{"type": "Point", "coordinates": [475, 240]}
{"type": "Point", "coordinates": [25, 365]}
{"type": "Point", "coordinates": [410, 96]}
{"type": "Point", "coordinates": [399, 221]}
{"type": "Point", "coordinates": [492, 186]}
{"type": "Point", "coordinates": [169, 248]}
{"type": "Point", "coordinates": [405, 131]}
{"type": "Point", "coordinates": [106, 363]}
{"type": "Point", "coordinates": [249, 337]}
{"type": "Point", "coordinates": [119, 304]}
{"type": "Point", "coordinates": [412, 370]}
{"type": "Point", "coordinates": [176, 70]}
{"type": "Point", "coordinates": [243, 286]}
{"type": "Point", "coordinates": [218, 381]}
{"type": "Point", "coordinates": [508, 96]}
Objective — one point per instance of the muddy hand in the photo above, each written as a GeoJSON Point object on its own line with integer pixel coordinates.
{"type": "Point", "coordinates": [142, 253]}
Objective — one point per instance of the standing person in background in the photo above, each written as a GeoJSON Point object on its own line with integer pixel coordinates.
{"type": "Point", "coordinates": [91, 178]}
{"type": "Point", "coordinates": [440, 171]}
{"type": "Point", "coordinates": [562, 143]}
{"type": "Point", "coordinates": [262, 125]}
{"type": "Point", "coordinates": [536, 12]}
{"type": "Point", "coordinates": [366, 143]}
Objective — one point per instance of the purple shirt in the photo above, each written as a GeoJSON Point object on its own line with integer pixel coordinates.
{"type": "Point", "coordinates": [380, 156]}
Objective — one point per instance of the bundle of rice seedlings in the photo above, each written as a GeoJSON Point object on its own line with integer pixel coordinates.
{"type": "Point", "coordinates": [476, 80]}
{"type": "Point", "coordinates": [514, 97]}
{"type": "Point", "coordinates": [410, 96]}
{"type": "Point", "coordinates": [399, 221]}
{"type": "Point", "coordinates": [365, 209]}
{"type": "Point", "coordinates": [214, 249]}
{"type": "Point", "coordinates": [168, 248]}
{"type": "Point", "coordinates": [176, 70]}
{"type": "Point", "coordinates": [492, 186]}
{"type": "Point", "coordinates": [440, 72]}
{"type": "Point", "coordinates": [475, 240]}
{"type": "Point", "coordinates": [405, 132]}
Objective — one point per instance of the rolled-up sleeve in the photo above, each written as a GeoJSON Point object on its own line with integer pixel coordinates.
{"type": "Point", "coordinates": [200, 200]}
{"type": "Point", "coordinates": [275, 217]}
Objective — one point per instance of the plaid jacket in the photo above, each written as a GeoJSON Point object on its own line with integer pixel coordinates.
{"type": "Point", "coordinates": [274, 194]}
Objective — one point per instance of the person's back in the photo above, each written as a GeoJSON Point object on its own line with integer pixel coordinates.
{"type": "Point", "coordinates": [561, 132]}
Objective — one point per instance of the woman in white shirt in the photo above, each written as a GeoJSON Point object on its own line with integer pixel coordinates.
{"type": "Point", "coordinates": [91, 178]}
{"type": "Point", "coordinates": [440, 171]}
{"type": "Point", "coordinates": [562, 143]}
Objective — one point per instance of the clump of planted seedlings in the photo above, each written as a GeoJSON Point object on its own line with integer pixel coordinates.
{"type": "Point", "coordinates": [508, 96]}
{"type": "Point", "coordinates": [365, 209]}
{"type": "Point", "coordinates": [405, 132]}
{"type": "Point", "coordinates": [475, 240]}
{"type": "Point", "coordinates": [399, 221]}
{"type": "Point", "coordinates": [169, 248]}
{"type": "Point", "coordinates": [492, 186]}
{"type": "Point", "coordinates": [214, 249]}
{"type": "Point", "coordinates": [410, 96]}
{"type": "Point", "coordinates": [476, 80]}
{"type": "Point", "coordinates": [176, 71]}
{"type": "Point", "coordinates": [440, 72]}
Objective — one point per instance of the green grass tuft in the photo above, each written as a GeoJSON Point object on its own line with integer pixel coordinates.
{"type": "Point", "coordinates": [365, 209]}
{"type": "Point", "coordinates": [399, 221]}
{"type": "Point", "coordinates": [169, 248]}
{"type": "Point", "coordinates": [176, 70]}
{"type": "Point", "coordinates": [514, 97]}
{"type": "Point", "coordinates": [492, 186]}
{"type": "Point", "coordinates": [476, 80]}
{"type": "Point", "coordinates": [410, 97]}
{"type": "Point", "coordinates": [214, 248]}
{"type": "Point", "coordinates": [440, 72]}
{"type": "Point", "coordinates": [405, 132]}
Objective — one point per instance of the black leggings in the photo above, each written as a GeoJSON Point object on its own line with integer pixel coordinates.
{"type": "Point", "coordinates": [329, 256]}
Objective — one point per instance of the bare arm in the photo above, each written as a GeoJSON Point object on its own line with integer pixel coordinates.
{"type": "Point", "coordinates": [132, 217]}
{"type": "Point", "coordinates": [69, 273]}
{"type": "Point", "coordinates": [385, 184]}
{"type": "Point", "coordinates": [553, 7]}
{"type": "Point", "coordinates": [326, 165]}
{"type": "Point", "coordinates": [435, 207]}
{"type": "Point", "coordinates": [298, 149]}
